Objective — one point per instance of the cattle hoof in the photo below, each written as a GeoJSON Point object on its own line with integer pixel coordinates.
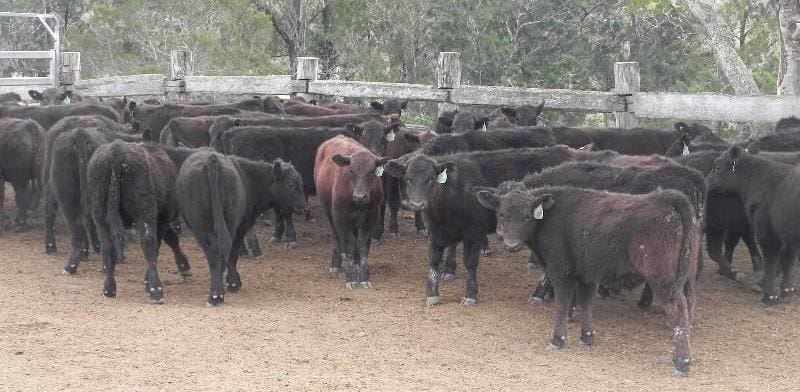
{"type": "Point", "coordinates": [333, 271]}
{"type": "Point", "coordinates": [395, 234]}
{"type": "Point", "coordinates": [469, 302]}
{"type": "Point", "coordinates": [84, 254]}
{"type": "Point", "coordinates": [422, 232]}
{"type": "Point", "coordinates": [234, 287]}
{"type": "Point", "coordinates": [587, 338]}
{"type": "Point", "coordinates": [109, 294]}
{"type": "Point", "coordinates": [788, 294]}
{"type": "Point", "coordinates": [274, 240]}
{"type": "Point", "coordinates": [535, 300]}
{"type": "Point", "coordinates": [349, 285]}
{"type": "Point", "coordinates": [486, 252]}
{"type": "Point", "coordinates": [448, 277]}
{"type": "Point", "coordinates": [50, 249]}
{"type": "Point", "coordinates": [430, 301]}
{"type": "Point", "coordinates": [290, 245]}
{"type": "Point", "coordinates": [215, 300]}
{"type": "Point", "coordinates": [681, 366]}
{"type": "Point", "coordinates": [532, 265]}
{"type": "Point", "coordinates": [157, 301]}
{"type": "Point", "coordinates": [554, 348]}
{"type": "Point", "coordinates": [185, 274]}
{"type": "Point", "coordinates": [770, 300]}
{"type": "Point", "coordinates": [366, 285]}
{"type": "Point", "coordinates": [70, 269]}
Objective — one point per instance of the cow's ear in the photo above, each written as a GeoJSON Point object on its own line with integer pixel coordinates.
{"type": "Point", "coordinates": [356, 130]}
{"type": "Point", "coordinates": [540, 108]}
{"type": "Point", "coordinates": [588, 147]}
{"type": "Point", "coordinates": [256, 97]}
{"type": "Point", "coordinates": [508, 111]}
{"type": "Point", "coordinates": [546, 201]}
{"type": "Point", "coordinates": [411, 138]}
{"type": "Point", "coordinates": [237, 122]}
{"type": "Point", "coordinates": [404, 104]}
{"type": "Point", "coordinates": [314, 102]}
{"type": "Point", "coordinates": [681, 127]}
{"type": "Point", "coordinates": [340, 160]}
{"type": "Point", "coordinates": [35, 95]}
{"type": "Point", "coordinates": [376, 105]}
{"type": "Point", "coordinates": [131, 106]}
{"type": "Point", "coordinates": [277, 168]}
{"type": "Point", "coordinates": [487, 197]}
{"type": "Point", "coordinates": [395, 168]}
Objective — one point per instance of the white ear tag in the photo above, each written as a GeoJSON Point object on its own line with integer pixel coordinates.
{"type": "Point", "coordinates": [390, 136]}
{"type": "Point", "coordinates": [67, 101]}
{"type": "Point", "coordinates": [685, 149]}
{"type": "Point", "coordinates": [538, 213]}
{"type": "Point", "coordinates": [442, 177]}
{"type": "Point", "coordinates": [484, 127]}
{"type": "Point", "coordinates": [379, 171]}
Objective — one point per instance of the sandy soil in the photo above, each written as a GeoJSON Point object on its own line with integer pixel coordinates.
{"type": "Point", "coordinates": [293, 327]}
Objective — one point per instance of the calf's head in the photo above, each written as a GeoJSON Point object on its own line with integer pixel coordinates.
{"type": "Point", "coordinates": [287, 187]}
{"type": "Point", "coordinates": [518, 213]}
{"type": "Point", "coordinates": [391, 109]}
{"type": "Point", "coordinates": [363, 170]}
{"type": "Point", "coordinates": [723, 174]}
{"type": "Point", "coordinates": [375, 136]}
{"type": "Point", "coordinates": [51, 96]}
{"type": "Point", "coordinates": [421, 174]}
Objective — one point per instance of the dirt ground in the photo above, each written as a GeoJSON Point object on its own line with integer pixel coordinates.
{"type": "Point", "coordinates": [293, 327]}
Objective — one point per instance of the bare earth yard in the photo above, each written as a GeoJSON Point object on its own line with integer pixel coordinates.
{"type": "Point", "coordinates": [293, 327]}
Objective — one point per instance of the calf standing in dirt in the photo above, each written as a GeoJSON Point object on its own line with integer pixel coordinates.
{"type": "Point", "coordinates": [21, 155]}
{"type": "Point", "coordinates": [133, 184]}
{"type": "Point", "coordinates": [347, 178]}
{"type": "Point", "coordinates": [220, 198]}
{"type": "Point", "coordinates": [587, 237]}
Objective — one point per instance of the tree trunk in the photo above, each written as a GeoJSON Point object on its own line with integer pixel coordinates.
{"type": "Point", "coordinates": [290, 23]}
{"type": "Point", "coordinates": [719, 38]}
{"type": "Point", "coordinates": [717, 35]}
{"type": "Point", "coordinates": [789, 19]}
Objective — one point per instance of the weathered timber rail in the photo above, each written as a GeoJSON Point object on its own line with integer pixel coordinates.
{"type": "Point", "coordinates": [626, 101]}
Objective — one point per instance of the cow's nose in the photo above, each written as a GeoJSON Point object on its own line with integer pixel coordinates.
{"type": "Point", "coordinates": [415, 205]}
{"type": "Point", "coordinates": [359, 197]}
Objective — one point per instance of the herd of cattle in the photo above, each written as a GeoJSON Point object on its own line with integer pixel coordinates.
{"type": "Point", "coordinates": [601, 209]}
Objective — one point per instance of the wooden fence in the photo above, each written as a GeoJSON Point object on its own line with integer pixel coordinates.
{"type": "Point", "coordinates": [626, 100]}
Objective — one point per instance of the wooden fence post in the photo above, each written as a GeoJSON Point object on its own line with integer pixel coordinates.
{"type": "Point", "coordinates": [180, 66]}
{"type": "Point", "coordinates": [626, 83]}
{"type": "Point", "coordinates": [448, 76]}
{"type": "Point", "coordinates": [307, 72]}
{"type": "Point", "coordinates": [70, 68]}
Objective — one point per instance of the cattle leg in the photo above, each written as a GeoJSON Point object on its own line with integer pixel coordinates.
{"type": "Point", "coordinates": [564, 289]}
{"type": "Point", "coordinates": [585, 294]}
{"type": "Point", "coordinates": [364, 240]}
{"type": "Point", "coordinates": [108, 250]}
{"type": "Point", "coordinates": [472, 253]}
{"type": "Point", "coordinates": [393, 200]}
{"type": "Point", "coordinates": [434, 260]}
{"type": "Point", "coordinates": [22, 195]}
{"type": "Point", "coordinates": [533, 262]}
{"type": "Point", "coordinates": [50, 211]}
{"type": "Point", "coordinates": [173, 240]}
{"type": "Point", "coordinates": [216, 257]}
{"type": "Point", "coordinates": [755, 255]}
{"type": "Point", "coordinates": [449, 270]}
{"type": "Point", "coordinates": [150, 235]}
{"type": "Point", "coordinates": [647, 297]}
{"type": "Point", "coordinates": [278, 226]}
{"type": "Point", "coordinates": [377, 233]}
{"type": "Point", "coordinates": [290, 238]}
{"type": "Point", "coordinates": [348, 246]}
{"type": "Point", "coordinates": [253, 249]}
{"type": "Point", "coordinates": [714, 241]}
{"type": "Point", "coordinates": [77, 242]}
{"type": "Point", "coordinates": [2, 202]}
{"type": "Point", "coordinates": [233, 280]}
{"type": "Point", "coordinates": [544, 288]}
{"type": "Point", "coordinates": [788, 256]}
{"type": "Point", "coordinates": [677, 309]}
{"type": "Point", "coordinates": [95, 242]}
{"type": "Point", "coordinates": [336, 254]}
{"type": "Point", "coordinates": [419, 223]}
{"type": "Point", "coordinates": [771, 251]}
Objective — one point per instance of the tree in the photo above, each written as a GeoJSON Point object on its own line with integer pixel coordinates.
{"type": "Point", "coordinates": [289, 20]}
{"type": "Point", "coordinates": [789, 73]}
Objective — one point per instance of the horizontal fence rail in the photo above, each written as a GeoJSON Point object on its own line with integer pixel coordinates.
{"type": "Point", "coordinates": [625, 100]}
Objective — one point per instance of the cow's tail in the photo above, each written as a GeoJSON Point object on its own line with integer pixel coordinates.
{"type": "Point", "coordinates": [113, 202]}
{"type": "Point", "coordinates": [83, 153]}
{"type": "Point", "coordinates": [688, 226]}
{"type": "Point", "coordinates": [224, 241]}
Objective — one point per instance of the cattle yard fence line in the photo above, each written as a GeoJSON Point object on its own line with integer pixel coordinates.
{"type": "Point", "coordinates": [625, 101]}
{"type": "Point", "coordinates": [54, 55]}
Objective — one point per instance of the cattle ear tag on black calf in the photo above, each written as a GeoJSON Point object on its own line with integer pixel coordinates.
{"type": "Point", "coordinates": [390, 136]}
{"type": "Point", "coordinates": [379, 171]}
{"type": "Point", "coordinates": [538, 213]}
{"type": "Point", "coordinates": [442, 177]}
{"type": "Point", "coordinates": [685, 149]}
